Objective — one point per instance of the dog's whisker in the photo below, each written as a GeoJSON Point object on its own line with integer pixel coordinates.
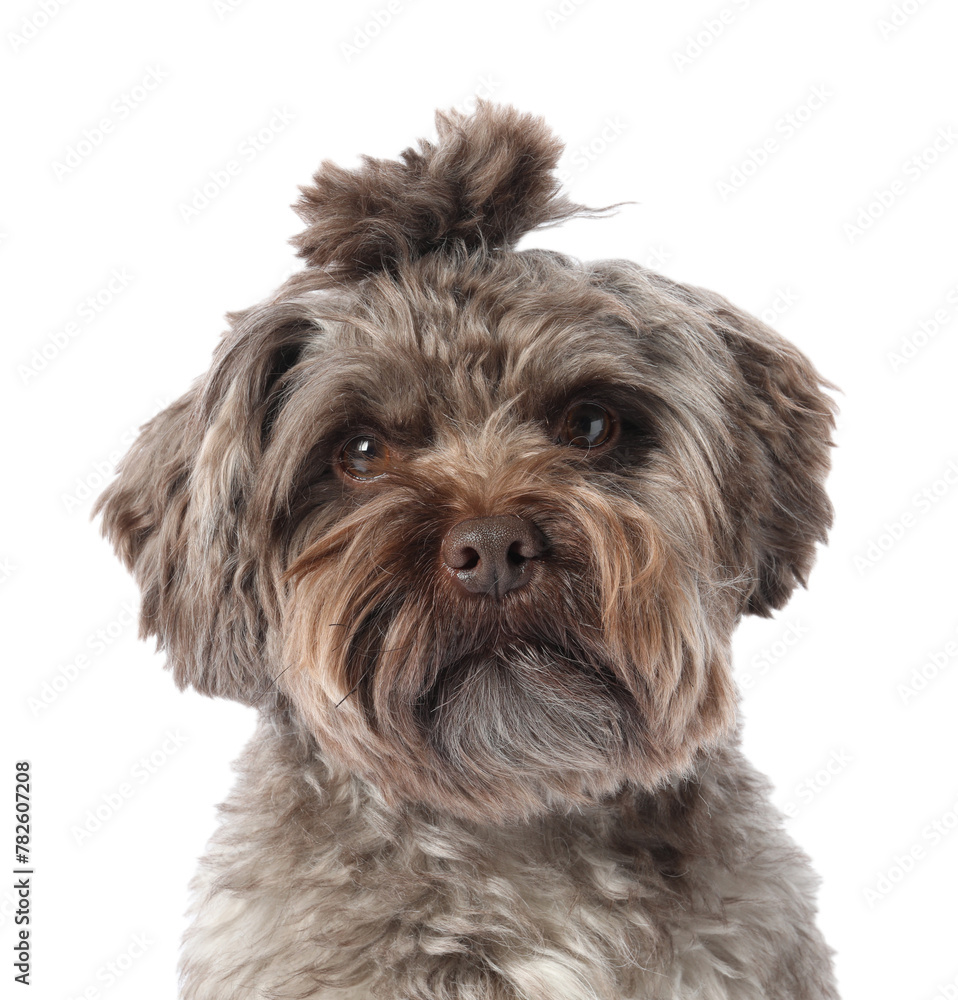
{"type": "Point", "coordinates": [353, 690]}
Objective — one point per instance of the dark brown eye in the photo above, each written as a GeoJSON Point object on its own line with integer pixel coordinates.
{"type": "Point", "coordinates": [365, 457]}
{"type": "Point", "coordinates": [586, 425]}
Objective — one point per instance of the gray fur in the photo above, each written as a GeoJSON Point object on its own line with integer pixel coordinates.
{"type": "Point", "coordinates": [453, 795]}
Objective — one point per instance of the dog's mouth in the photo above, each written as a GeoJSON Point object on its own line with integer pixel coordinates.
{"type": "Point", "coordinates": [433, 653]}
{"type": "Point", "coordinates": [472, 658]}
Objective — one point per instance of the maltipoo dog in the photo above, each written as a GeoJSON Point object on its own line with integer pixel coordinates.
{"type": "Point", "coordinates": [471, 528]}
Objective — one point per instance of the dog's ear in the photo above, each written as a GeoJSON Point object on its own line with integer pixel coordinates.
{"type": "Point", "coordinates": [486, 181]}
{"type": "Point", "coordinates": [763, 397]}
{"type": "Point", "coordinates": [175, 513]}
{"type": "Point", "coordinates": [782, 425]}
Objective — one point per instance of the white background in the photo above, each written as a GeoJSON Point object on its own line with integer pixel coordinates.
{"type": "Point", "coordinates": [660, 104]}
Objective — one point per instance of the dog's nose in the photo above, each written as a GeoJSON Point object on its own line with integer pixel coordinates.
{"type": "Point", "coordinates": [492, 555]}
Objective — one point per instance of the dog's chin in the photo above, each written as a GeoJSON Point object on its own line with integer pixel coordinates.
{"type": "Point", "coordinates": [529, 710]}
{"type": "Point", "coordinates": [518, 729]}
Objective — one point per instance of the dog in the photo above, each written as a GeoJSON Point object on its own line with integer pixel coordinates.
{"type": "Point", "coordinates": [471, 528]}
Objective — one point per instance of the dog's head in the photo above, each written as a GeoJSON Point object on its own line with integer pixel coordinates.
{"type": "Point", "coordinates": [482, 520]}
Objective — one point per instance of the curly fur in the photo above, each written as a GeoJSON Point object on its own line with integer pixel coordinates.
{"type": "Point", "coordinates": [536, 797]}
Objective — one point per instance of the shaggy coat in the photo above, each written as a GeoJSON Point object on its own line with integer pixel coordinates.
{"type": "Point", "coordinates": [461, 792]}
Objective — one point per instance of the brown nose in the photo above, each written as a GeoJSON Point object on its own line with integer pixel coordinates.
{"type": "Point", "coordinates": [492, 555]}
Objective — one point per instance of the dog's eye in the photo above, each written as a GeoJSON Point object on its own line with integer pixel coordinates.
{"type": "Point", "coordinates": [364, 457]}
{"type": "Point", "coordinates": [586, 425]}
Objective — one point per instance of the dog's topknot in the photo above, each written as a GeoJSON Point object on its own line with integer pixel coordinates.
{"type": "Point", "coordinates": [486, 181]}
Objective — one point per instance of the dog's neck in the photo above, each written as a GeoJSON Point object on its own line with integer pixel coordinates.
{"type": "Point", "coordinates": [313, 784]}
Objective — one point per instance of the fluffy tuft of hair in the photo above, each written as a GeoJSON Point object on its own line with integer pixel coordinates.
{"type": "Point", "coordinates": [486, 182]}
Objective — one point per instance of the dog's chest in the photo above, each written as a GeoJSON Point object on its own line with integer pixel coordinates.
{"type": "Point", "coordinates": [532, 914]}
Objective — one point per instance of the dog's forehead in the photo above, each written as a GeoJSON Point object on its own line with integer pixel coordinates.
{"type": "Point", "coordinates": [466, 347]}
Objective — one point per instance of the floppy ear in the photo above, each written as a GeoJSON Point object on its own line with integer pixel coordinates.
{"type": "Point", "coordinates": [781, 424]}
{"type": "Point", "coordinates": [770, 406]}
{"type": "Point", "coordinates": [175, 514]}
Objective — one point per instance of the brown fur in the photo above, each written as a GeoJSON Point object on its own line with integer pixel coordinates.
{"type": "Point", "coordinates": [589, 703]}
{"type": "Point", "coordinates": [485, 183]}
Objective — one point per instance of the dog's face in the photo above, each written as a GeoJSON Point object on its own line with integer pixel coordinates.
{"type": "Point", "coordinates": [481, 521]}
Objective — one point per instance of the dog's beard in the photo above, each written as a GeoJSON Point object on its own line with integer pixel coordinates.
{"type": "Point", "coordinates": [527, 711]}
{"type": "Point", "coordinates": [597, 673]}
